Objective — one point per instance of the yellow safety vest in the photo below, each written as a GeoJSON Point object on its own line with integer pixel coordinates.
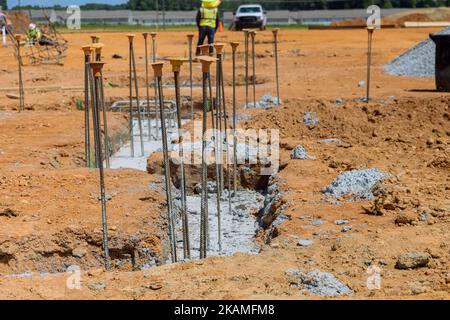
{"type": "Point", "coordinates": [208, 17]}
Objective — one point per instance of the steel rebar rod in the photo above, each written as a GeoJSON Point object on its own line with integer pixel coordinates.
{"type": "Point", "coordinates": [206, 63]}
{"type": "Point", "coordinates": [246, 38]}
{"type": "Point", "coordinates": [133, 75]}
{"type": "Point", "coordinates": [275, 43]}
{"type": "Point", "coordinates": [190, 41]}
{"type": "Point", "coordinates": [369, 60]}
{"type": "Point", "coordinates": [98, 57]}
{"type": "Point", "coordinates": [157, 69]}
{"type": "Point", "coordinates": [218, 153]}
{"type": "Point", "coordinates": [136, 88]}
{"type": "Point", "coordinates": [176, 68]}
{"type": "Point", "coordinates": [19, 62]}
{"type": "Point", "coordinates": [153, 35]}
{"type": "Point", "coordinates": [234, 46]}
{"type": "Point", "coordinates": [87, 134]}
{"type": "Point", "coordinates": [147, 87]}
{"type": "Point", "coordinates": [253, 34]}
{"type": "Point", "coordinates": [130, 75]}
{"type": "Point", "coordinates": [225, 121]}
{"type": "Point", "coordinates": [96, 68]}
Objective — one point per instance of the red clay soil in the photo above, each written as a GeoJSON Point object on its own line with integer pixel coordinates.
{"type": "Point", "coordinates": [51, 216]}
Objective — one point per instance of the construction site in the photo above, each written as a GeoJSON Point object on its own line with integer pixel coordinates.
{"type": "Point", "coordinates": [285, 163]}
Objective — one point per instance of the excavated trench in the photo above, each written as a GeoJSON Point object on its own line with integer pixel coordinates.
{"type": "Point", "coordinates": [252, 211]}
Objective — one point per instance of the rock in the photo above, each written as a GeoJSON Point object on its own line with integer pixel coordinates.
{"type": "Point", "coordinates": [447, 278]}
{"type": "Point", "coordinates": [305, 243]}
{"type": "Point", "coordinates": [317, 222]}
{"type": "Point", "coordinates": [412, 260]}
{"type": "Point", "coordinates": [95, 272]}
{"type": "Point", "coordinates": [339, 101]}
{"type": "Point", "coordinates": [340, 222]}
{"type": "Point", "coordinates": [346, 228]}
{"type": "Point", "coordinates": [361, 84]}
{"type": "Point", "coordinates": [318, 283]}
{"type": "Point", "coordinates": [117, 56]}
{"type": "Point", "coordinates": [9, 213]}
{"type": "Point", "coordinates": [12, 96]}
{"type": "Point", "coordinates": [300, 153]}
{"type": "Point", "coordinates": [310, 119]}
{"type": "Point", "coordinates": [417, 288]}
{"type": "Point", "coordinates": [355, 184]}
{"type": "Point", "coordinates": [97, 286]}
{"type": "Point", "coordinates": [79, 252]}
{"type": "Point", "coordinates": [405, 218]}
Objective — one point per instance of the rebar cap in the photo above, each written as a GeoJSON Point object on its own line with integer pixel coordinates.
{"type": "Point", "coordinates": [157, 68]}
{"type": "Point", "coordinates": [130, 37]}
{"type": "Point", "coordinates": [87, 49]}
{"type": "Point", "coordinates": [190, 36]}
{"type": "Point", "coordinates": [275, 31]}
{"type": "Point", "coordinates": [97, 67]}
{"type": "Point", "coordinates": [153, 34]}
{"type": "Point", "coordinates": [219, 47]}
{"type": "Point", "coordinates": [204, 49]}
{"type": "Point", "coordinates": [145, 35]}
{"type": "Point", "coordinates": [18, 37]}
{"type": "Point", "coordinates": [234, 46]}
{"type": "Point", "coordinates": [176, 63]}
{"type": "Point", "coordinates": [206, 62]}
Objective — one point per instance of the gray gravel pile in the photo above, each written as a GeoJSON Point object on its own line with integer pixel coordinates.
{"type": "Point", "coordinates": [267, 101]}
{"type": "Point", "coordinates": [355, 184]}
{"type": "Point", "coordinates": [299, 152]}
{"type": "Point", "coordinates": [417, 61]}
{"type": "Point", "coordinates": [318, 283]}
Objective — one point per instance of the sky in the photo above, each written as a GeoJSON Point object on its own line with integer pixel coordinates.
{"type": "Point", "coordinates": [12, 3]}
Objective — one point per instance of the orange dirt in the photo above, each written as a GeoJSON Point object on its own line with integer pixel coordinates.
{"type": "Point", "coordinates": [53, 206]}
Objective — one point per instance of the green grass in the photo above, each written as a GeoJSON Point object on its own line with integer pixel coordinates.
{"type": "Point", "coordinates": [140, 28]}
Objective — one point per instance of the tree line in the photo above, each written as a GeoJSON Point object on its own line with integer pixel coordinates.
{"type": "Point", "coordinates": [231, 5]}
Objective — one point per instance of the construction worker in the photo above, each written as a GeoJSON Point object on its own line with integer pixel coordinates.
{"type": "Point", "coordinates": [34, 35]}
{"type": "Point", "coordinates": [207, 23]}
{"type": "Point", "coordinates": [4, 21]}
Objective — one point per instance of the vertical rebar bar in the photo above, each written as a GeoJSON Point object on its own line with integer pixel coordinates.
{"type": "Point", "coordinates": [217, 151]}
{"type": "Point", "coordinates": [275, 43]}
{"type": "Point", "coordinates": [253, 34]}
{"type": "Point", "coordinates": [234, 48]}
{"type": "Point", "coordinates": [153, 35]}
{"type": "Point", "coordinates": [176, 67]}
{"type": "Point", "coordinates": [87, 132]}
{"type": "Point", "coordinates": [147, 87]}
{"type": "Point", "coordinates": [369, 61]}
{"type": "Point", "coordinates": [98, 57]}
{"type": "Point", "coordinates": [190, 41]}
{"type": "Point", "coordinates": [246, 35]}
{"type": "Point", "coordinates": [136, 88]}
{"type": "Point", "coordinates": [130, 75]}
{"type": "Point", "coordinates": [19, 62]}
{"type": "Point", "coordinates": [206, 63]}
{"type": "Point", "coordinates": [96, 68]}
{"type": "Point", "coordinates": [157, 68]}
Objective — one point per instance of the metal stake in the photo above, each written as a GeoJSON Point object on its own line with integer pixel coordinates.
{"type": "Point", "coordinates": [275, 42]}
{"type": "Point", "coordinates": [147, 87]}
{"type": "Point", "coordinates": [369, 60]}
{"type": "Point", "coordinates": [176, 68]}
{"type": "Point", "coordinates": [96, 68]}
{"type": "Point", "coordinates": [157, 69]}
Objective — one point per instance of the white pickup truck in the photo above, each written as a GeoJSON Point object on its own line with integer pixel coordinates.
{"type": "Point", "coordinates": [249, 16]}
